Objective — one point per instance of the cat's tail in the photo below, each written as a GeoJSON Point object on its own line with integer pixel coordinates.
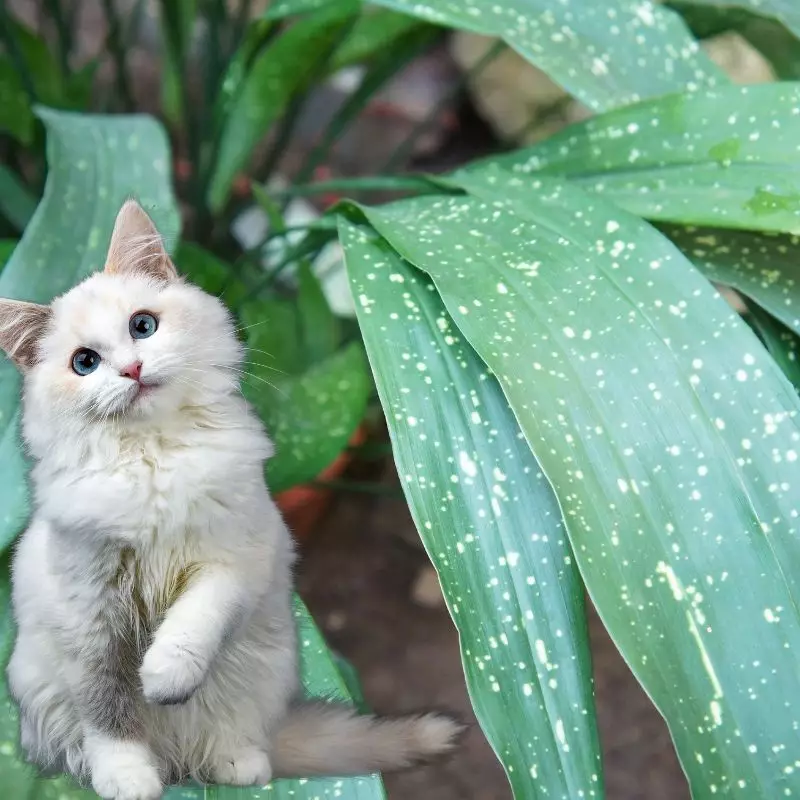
{"type": "Point", "coordinates": [331, 739]}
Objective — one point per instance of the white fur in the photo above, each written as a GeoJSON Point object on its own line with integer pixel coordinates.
{"type": "Point", "coordinates": [171, 480]}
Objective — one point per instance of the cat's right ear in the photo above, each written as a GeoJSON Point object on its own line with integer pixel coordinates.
{"type": "Point", "coordinates": [21, 327]}
{"type": "Point", "coordinates": [137, 247]}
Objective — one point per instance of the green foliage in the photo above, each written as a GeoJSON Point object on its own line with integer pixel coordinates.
{"type": "Point", "coordinates": [491, 525]}
{"type": "Point", "coordinates": [571, 404]}
{"type": "Point", "coordinates": [602, 63]}
{"type": "Point", "coordinates": [669, 510]}
{"type": "Point", "coordinates": [726, 157]}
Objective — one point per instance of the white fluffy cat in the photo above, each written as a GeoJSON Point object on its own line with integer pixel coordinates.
{"type": "Point", "coordinates": [152, 589]}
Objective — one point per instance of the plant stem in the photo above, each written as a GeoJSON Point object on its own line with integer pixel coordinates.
{"type": "Point", "coordinates": [63, 34]}
{"type": "Point", "coordinates": [286, 126]}
{"type": "Point", "coordinates": [386, 67]}
{"type": "Point", "coordinates": [406, 147]}
{"type": "Point", "coordinates": [14, 52]}
{"type": "Point", "coordinates": [117, 47]}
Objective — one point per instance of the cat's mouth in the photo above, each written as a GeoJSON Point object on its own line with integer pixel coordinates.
{"type": "Point", "coordinates": [144, 390]}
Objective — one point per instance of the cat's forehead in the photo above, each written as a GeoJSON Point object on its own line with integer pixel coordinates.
{"type": "Point", "coordinates": [102, 304]}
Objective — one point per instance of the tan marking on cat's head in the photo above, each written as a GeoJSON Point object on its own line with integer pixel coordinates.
{"type": "Point", "coordinates": [137, 247]}
{"type": "Point", "coordinates": [21, 327]}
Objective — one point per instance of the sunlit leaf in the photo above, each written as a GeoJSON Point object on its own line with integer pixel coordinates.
{"type": "Point", "coordinates": [727, 157]}
{"type": "Point", "coordinates": [670, 438]}
{"type": "Point", "coordinates": [491, 525]}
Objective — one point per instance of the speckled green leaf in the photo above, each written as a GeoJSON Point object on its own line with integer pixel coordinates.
{"type": "Point", "coordinates": [274, 77]}
{"type": "Point", "coordinates": [671, 440]}
{"type": "Point", "coordinates": [491, 525]}
{"type": "Point", "coordinates": [727, 157]}
{"type": "Point", "coordinates": [785, 11]}
{"type": "Point", "coordinates": [107, 158]}
{"type": "Point", "coordinates": [310, 417]}
{"type": "Point", "coordinates": [765, 267]}
{"type": "Point", "coordinates": [605, 52]}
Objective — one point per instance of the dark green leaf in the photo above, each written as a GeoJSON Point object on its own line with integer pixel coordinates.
{"type": "Point", "coordinates": [782, 342]}
{"type": "Point", "coordinates": [6, 249]}
{"type": "Point", "coordinates": [311, 417]}
{"type": "Point", "coordinates": [17, 204]}
{"type": "Point", "coordinates": [274, 77]}
{"type": "Point", "coordinates": [375, 30]}
{"type": "Point", "coordinates": [272, 329]}
{"type": "Point", "coordinates": [727, 157]}
{"type": "Point", "coordinates": [16, 115]}
{"type": "Point", "coordinates": [764, 267]}
{"type": "Point", "coordinates": [320, 331]}
{"type": "Point", "coordinates": [491, 525]}
{"type": "Point", "coordinates": [606, 53]}
{"type": "Point", "coordinates": [210, 273]}
{"type": "Point", "coordinates": [785, 11]}
{"type": "Point", "coordinates": [671, 440]}
{"type": "Point", "coordinates": [41, 64]}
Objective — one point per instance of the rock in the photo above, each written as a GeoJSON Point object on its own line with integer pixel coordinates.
{"type": "Point", "coordinates": [523, 105]}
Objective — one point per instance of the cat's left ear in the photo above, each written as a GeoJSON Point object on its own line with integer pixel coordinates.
{"type": "Point", "coordinates": [137, 247]}
{"type": "Point", "coordinates": [21, 327]}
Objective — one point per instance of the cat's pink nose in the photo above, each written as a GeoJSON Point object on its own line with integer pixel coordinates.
{"type": "Point", "coordinates": [132, 371]}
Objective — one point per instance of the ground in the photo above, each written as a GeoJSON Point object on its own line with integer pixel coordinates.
{"type": "Point", "coordinates": [356, 576]}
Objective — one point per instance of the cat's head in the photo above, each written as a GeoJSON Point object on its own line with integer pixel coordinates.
{"type": "Point", "coordinates": [128, 343]}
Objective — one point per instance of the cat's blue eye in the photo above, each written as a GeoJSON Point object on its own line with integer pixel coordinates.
{"type": "Point", "coordinates": [85, 361]}
{"type": "Point", "coordinates": [142, 325]}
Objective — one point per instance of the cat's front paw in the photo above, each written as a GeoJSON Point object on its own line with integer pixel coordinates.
{"type": "Point", "coordinates": [246, 766]}
{"type": "Point", "coordinates": [125, 771]}
{"type": "Point", "coordinates": [170, 673]}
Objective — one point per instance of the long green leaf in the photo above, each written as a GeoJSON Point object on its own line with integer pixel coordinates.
{"type": "Point", "coordinates": [728, 157]}
{"type": "Point", "coordinates": [764, 267]}
{"type": "Point", "coordinates": [273, 79]}
{"type": "Point", "coordinates": [671, 440]}
{"type": "Point", "coordinates": [375, 30]}
{"type": "Point", "coordinates": [95, 163]}
{"type": "Point", "coordinates": [491, 525]}
{"type": "Point", "coordinates": [605, 52]}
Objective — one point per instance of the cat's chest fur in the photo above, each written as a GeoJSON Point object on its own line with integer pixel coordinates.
{"type": "Point", "coordinates": [170, 488]}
